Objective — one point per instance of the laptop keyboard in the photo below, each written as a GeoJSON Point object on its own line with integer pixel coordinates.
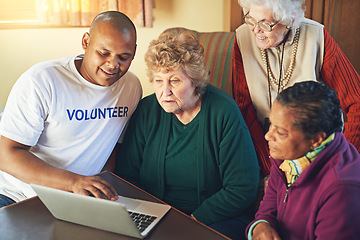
{"type": "Point", "coordinates": [142, 221]}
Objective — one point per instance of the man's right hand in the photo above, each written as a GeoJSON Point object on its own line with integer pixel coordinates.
{"type": "Point", "coordinates": [94, 186]}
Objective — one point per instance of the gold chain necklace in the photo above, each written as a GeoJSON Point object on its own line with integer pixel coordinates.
{"type": "Point", "coordinates": [284, 81]}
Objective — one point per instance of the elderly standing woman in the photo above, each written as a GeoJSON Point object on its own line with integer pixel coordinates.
{"type": "Point", "coordinates": [277, 47]}
{"type": "Point", "coordinates": [314, 185]}
{"type": "Point", "coordinates": [188, 144]}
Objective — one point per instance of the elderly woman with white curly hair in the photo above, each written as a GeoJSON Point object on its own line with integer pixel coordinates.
{"type": "Point", "coordinates": [277, 47]}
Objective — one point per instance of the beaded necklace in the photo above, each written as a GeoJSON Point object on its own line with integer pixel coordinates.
{"type": "Point", "coordinates": [282, 82]}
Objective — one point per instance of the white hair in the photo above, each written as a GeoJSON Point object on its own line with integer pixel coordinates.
{"type": "Point", "coordinates": [287, 12]}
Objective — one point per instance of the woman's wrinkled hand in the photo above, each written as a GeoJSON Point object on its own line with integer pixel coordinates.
{"type": "Point", "coordinates": [264, 231]}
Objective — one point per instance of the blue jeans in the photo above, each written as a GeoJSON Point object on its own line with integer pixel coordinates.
{"type": "Point", "coordinates": [231, 228]}
{"type": "Point", "coordinates": [4, 201]}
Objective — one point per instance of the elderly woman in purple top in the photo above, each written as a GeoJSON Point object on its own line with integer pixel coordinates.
{"type": "Point", "coordinates": [314, 186]}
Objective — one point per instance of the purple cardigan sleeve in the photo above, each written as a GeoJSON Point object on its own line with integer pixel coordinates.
{"type": "Point", "coordinates": [268, 206]}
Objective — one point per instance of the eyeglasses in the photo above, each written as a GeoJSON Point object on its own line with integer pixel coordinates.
{"type": "Point", "coordinates": [265, 26]}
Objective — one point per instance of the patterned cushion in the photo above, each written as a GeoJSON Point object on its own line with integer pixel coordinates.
{"type": "Point", "coordinates": [218, 47]}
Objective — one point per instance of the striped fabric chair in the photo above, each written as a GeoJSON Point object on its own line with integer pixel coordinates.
{"type": "Point", "coordinates": [218, 47]}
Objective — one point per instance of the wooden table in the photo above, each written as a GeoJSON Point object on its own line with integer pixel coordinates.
{"type": "Point", "coordinates": [30, 219]}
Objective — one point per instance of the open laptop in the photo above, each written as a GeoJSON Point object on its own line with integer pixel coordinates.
{"type": "Point", "coordinates": [125, 216]}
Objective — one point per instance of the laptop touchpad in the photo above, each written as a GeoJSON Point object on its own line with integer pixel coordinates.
{"type": "Point", "coordinates": [129, 203]}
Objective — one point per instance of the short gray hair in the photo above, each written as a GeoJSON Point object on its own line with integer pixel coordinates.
{"type": "Point", "coordinates": [287, 12]}
{"type": "Point", "coordinates": [316, 107]}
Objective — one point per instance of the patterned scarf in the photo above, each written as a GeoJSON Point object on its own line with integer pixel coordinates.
{"type": "Point", "coordinates": [293, 168]}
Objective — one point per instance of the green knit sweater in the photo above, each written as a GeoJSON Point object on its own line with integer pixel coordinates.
{"type": "Point", "coordinates": [227, 168]}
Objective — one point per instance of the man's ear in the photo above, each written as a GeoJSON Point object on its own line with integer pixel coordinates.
{"type": "Point", "coordinates": [318, 139]}
{"type": "Point", "coordinates": [134, 52]}
{"type": "Point", "coordinates": [85, 40]}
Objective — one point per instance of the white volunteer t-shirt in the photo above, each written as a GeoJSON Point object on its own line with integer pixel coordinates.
{"type": "Point", "coordinates": [69, 122]}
